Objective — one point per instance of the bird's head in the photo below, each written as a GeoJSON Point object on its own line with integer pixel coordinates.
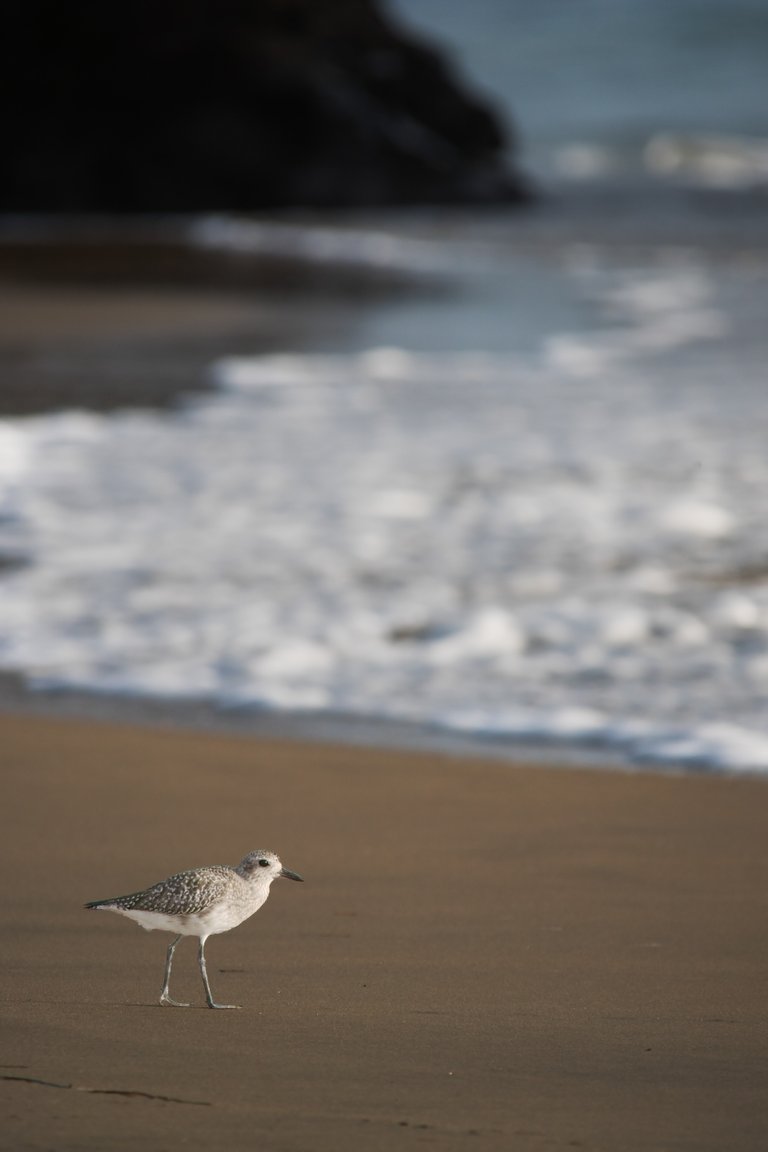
{"type": "Point", "coordinates": [264, 866]}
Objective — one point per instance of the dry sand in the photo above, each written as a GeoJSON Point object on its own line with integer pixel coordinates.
{"type": "Point", "coordinates": [482, 956]}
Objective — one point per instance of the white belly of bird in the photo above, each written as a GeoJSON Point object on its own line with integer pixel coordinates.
{"type": "Point", "coordinates": [218, 918]}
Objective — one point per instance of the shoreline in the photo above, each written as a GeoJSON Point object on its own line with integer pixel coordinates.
{"type": "Point", "coordinates": [17, 698]}
{"type": "Point", "coordinates": [377, 733]}
{"type": "Point", "coordinates": [365, 732]}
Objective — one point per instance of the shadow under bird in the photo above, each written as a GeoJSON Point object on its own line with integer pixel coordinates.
{"type": "Point", "coordinates": [201, 902]}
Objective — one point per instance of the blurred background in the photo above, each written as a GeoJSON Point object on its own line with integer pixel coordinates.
{"type": "Point", "coordinates": [400, 365]}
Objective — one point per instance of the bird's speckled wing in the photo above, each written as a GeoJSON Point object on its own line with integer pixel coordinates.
{"type": "Point", "coordinates": [183, 894]}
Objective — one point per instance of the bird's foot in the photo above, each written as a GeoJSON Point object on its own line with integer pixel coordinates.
{"type": "Point", "coordinates": [166, 999]}
{"type": "Point", "coordinates": [213, 1004]}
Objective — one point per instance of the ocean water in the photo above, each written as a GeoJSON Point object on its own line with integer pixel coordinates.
{"type": "Point", "coordinates": [619, 89]}
{"type": "Point", "coordinates": [528, 504]}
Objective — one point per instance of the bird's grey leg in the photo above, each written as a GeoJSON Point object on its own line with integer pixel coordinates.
{"type": "Point", "coordinates": [201, 960]}
{"type": "Point", "coordinates": [164, 996]}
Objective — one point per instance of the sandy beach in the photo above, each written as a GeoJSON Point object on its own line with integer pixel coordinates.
{"type": "Point", "coordinates": [482, 956]}
{"type": "Point", "coordinates": [390, 541]}
{"type": "Point", "coordinates": [104, 328]}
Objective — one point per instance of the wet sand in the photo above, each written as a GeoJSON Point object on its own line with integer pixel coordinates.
{"type": "Point", "coordinates": [482, 956]}
{"type": "Point", "coordinates": [128, 315]}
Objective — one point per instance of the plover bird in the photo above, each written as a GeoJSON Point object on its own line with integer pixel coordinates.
{"type": "Point", "coordinates": [201, 902]}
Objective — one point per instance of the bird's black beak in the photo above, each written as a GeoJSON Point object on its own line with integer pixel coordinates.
{"type": "Point", "coordinates": [291, 875]}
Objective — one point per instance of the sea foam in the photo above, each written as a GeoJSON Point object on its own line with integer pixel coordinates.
{"type": "Point", "coordinates": [499, 544]}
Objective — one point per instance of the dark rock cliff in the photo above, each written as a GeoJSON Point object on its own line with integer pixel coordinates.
{"type": "Point", "coordinates": [183, 105]}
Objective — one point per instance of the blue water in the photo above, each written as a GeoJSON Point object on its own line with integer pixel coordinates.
{"type": "Point", "coordinates": [608, 72]}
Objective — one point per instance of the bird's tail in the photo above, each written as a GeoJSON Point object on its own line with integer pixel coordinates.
{"type": "Point", "coordinates": [100, 903]}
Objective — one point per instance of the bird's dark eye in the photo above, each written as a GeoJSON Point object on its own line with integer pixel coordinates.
{"type": "Point", "coordinates": [263, 863]}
